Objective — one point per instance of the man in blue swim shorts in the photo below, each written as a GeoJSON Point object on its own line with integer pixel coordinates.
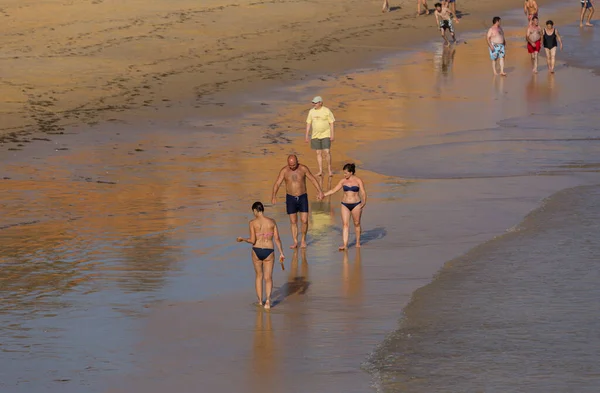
{"type": "Point", "coordinates": [497, 46]}
{"type": "Point", "coordinates": [296, 200]}
{"type": "Point", "coordinates": [586, 5]}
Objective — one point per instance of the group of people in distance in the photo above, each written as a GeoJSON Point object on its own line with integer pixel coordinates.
{"type": "Point", "coordinates": [264, 233]}
{"type": "Point", "coordinates": [536, 38]}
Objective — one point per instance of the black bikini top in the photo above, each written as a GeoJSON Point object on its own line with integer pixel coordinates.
{"type": "Point", "coordinates": [352, 188]}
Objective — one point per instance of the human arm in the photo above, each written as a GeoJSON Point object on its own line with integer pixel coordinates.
{"type": "Point", "coordinates": [437, 18]}
{"type": "Point", "coordinates": [314, 181]}
{"type": "Point", "coordinates": [278, 244]}
{"type": "Point", "coordinates": [535, 6]}
{"type": "Point", "coordinates": [489, 39]}
{"type": "Point", "coordinates": [252, 238]}
{"type": "Point", "coordinates": [331, 127]}
{"type": "Point", "coordinates": [363, 194]}
{"type": "Point", "coordinates": [308, 126]}
{"type": "Point", "coordinates": [334, 189]}
{"type": "Point", "coordinates": [559, 40]}
{"type": "Point", "coordinates": [277, 185]}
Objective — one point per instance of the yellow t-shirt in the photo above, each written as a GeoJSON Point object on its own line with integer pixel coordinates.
{"type": "Point", "coordinates": [320, 119]}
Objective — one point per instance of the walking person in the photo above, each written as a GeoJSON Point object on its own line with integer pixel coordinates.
{"type": "Point", "coordinates": [263, 230]}
{"type": "Point", "coordinates": [533, 35]}
{"type": "Point", "coordinates": [353, 203]}
{"type": "Point", "coordinates": [296, 200]}
{"type": "Point", "coordinates": [586, 5]}
{"type": "Point", "coordinates": [531, 9]}
{"type": "Point", "coordinates": [443, 18]}
{"type": "Point", "coordinates": [320, 120]}
{"type": "Point", "coordinates": [497, 45]}
{"type": "Point", "coordinates": [551, 41]}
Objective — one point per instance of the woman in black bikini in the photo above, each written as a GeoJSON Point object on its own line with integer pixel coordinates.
{"type": "Point", "coordinates": [551, 39]}
{"type": "Point", "coordinates": [262, 232]}
{"type": "Point", "coordinates": [353, 202]}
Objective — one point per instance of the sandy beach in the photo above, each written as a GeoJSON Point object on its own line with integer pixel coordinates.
{"type": "Point", "coordinates": [81, 62]}
{"type": "Point", "coordinates": [122, 274]}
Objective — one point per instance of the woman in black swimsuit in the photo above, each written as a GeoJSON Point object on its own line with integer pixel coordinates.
{"type": "Point", "coordinates": [262, 232]}
{"type": "Point", "coordinates": [551, 39]}
{"type": "Point", "coordinates": [353, 202]}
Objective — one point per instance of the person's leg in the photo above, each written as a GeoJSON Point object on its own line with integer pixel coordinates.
{"type": "Point", "coordinates": [258, 270]}
{"type": "Point", "coordinates": [320, 162]}
{"type": "Point", "coordinates": [419, 8]}
{"type": "Point", "coordinates": [548, 63]}
{"type": "Point", "coordinates": [345, 227]}
{"type": "Point", "coordinates": [327, 153]}
{"type": "Point", "coordinates": [552, 58]}
{"type": "Point", "coordinates": [426, 7]}
{"type": "Point", "coordinates": [267, 267]}
{"type": "Point", "coordinates": [494, 67]}
{"type": "Point", "coordinates": [386, 6]}
{"type": "Point", "coordinates": [294, 227]}
{"type": "Point", "coordinates": [443, 32]}
{"type": "Point", "coordinates": [304, 221]}
{"type": "Point", "coordinates": [535, 61]}
{"type": "Point", "coordinates": [453, 8]}
{"type": "Point", "coordinates": [582, 15]}
{"type": "Point", "coordinates": [589, 20]}
{"type": "Point", "coordinates": [501, 61]}
{"type": "Point", "coordinates": [356, 214]}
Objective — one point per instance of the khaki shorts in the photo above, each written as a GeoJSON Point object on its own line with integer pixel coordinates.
{"type": "Point", "coordinates": [320, 144]}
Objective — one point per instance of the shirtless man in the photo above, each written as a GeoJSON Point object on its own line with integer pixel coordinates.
{"type": "Point", "coordinates": [496, 45]}
{"type": "Point", "coordinates": [530, 8]}
{"type": "Point", "coordinates": [296, 200]}
{"type": "Point", "coordinates": [443, 18]}
{"type": "Point", "coordinates": [534, 41]}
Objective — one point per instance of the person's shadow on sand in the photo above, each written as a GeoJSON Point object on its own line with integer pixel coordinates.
{"type": "Point", "coordinates": [297, 281]}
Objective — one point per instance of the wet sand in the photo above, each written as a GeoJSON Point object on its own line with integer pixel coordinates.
{"type": "Point", "coordinates": [82, 62]}
{"type": "Point", "coordinates": [149, 290]}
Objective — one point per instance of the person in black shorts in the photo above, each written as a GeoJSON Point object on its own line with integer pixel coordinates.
{"type": "Point", "coordinates": [296, 200]}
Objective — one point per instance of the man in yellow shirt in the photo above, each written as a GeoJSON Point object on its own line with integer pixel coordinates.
{"type": "Point", "coordinates": [320, 120]}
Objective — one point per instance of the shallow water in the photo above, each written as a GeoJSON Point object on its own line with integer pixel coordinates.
{"type": "Point", "coordinates": [516, 314]}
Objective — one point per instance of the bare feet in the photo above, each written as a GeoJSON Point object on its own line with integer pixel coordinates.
{"type": "Point", "coordinates": [268, 305]}
{"type": "Point", "coordinates": [303, 244]}
{"type": "Point", "coordinates": [259, 303]}
{"type": "Point", "coordinates": [330, 174]}
{"type": "Point", "coordinates": [503, 74]}
{"type": "Point", "coordinates": [294, 246]}
{"type": "Point", "coordinates": [342, 248]}
{"type": "Point", "coordinates": [581, 24]}
{"type": "Point", "coordinates": [534, 71]}
{"type": "Point", "coordinates": [589, 24]}
{"type": "Point", "coordinates": [357, 245]}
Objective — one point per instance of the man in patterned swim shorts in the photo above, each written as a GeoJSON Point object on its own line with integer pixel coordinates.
{"type": "Point", "coordinates": [497, 46]}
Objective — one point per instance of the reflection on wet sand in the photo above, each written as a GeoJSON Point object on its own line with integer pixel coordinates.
{"type": "Point", "coordinates": [297, 282]}
{"type": "Point", "coordinates": [264, 371]}
{"type": "Point", "coordinates": [352, 279]}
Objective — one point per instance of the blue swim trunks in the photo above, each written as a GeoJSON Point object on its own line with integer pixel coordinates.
{"type": "Point", "coordinates": [498, 52]}
{"type": "Point", "coordinates": [586, 3]}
